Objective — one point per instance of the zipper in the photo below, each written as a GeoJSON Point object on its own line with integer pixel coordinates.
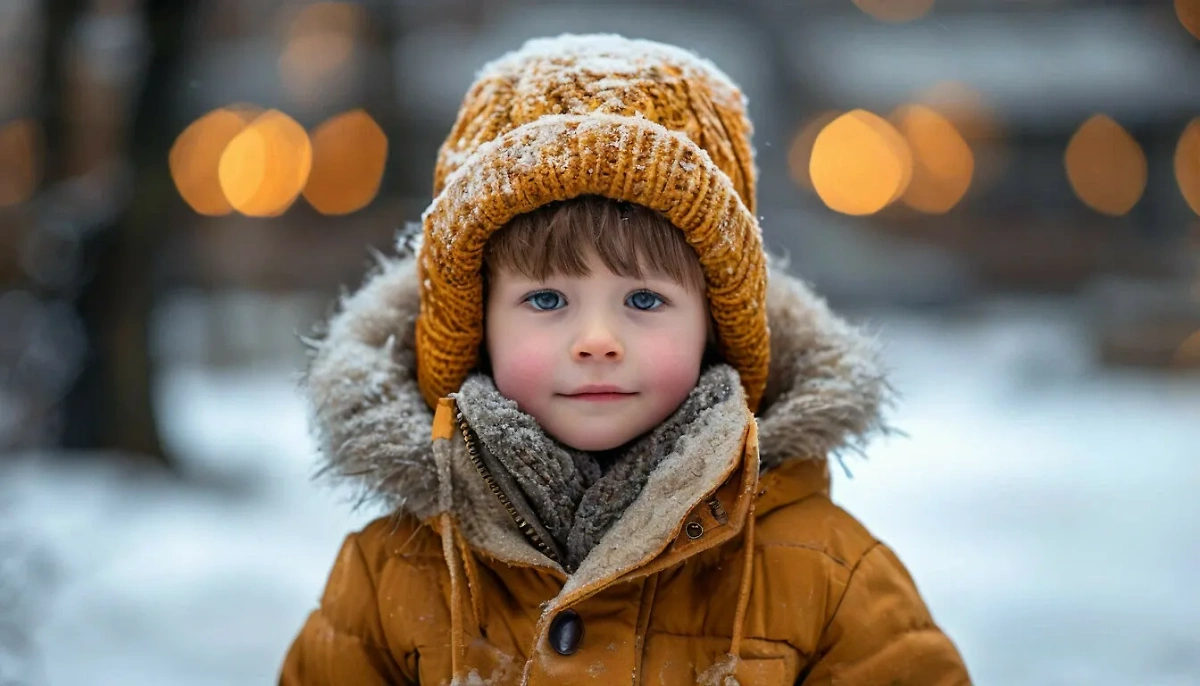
{"type": "Point", "coordinates": [472, 442]}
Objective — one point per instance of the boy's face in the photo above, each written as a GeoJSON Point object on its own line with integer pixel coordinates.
{"type": "Point", "coordinates": [597, 360]}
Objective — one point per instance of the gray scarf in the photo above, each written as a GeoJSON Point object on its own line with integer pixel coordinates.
{"type": "Point", "coordinates": [576, 496]}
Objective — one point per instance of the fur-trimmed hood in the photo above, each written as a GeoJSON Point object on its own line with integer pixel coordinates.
{"type": "Point", "coordinates": [824, 394]}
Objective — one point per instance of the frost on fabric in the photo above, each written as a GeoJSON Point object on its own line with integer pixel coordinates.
{"type": "Point", "coordinates": [720, 673]}
{"type": "Point", "coordinates": [599, 76]}
{"type": "Point", "coordinates": [544, 144]}
{"type": "Point", "coordinates": [615, 59]}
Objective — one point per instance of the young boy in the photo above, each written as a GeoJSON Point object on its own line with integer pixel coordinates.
{"type": "Point", "coordinates": [603, 466]}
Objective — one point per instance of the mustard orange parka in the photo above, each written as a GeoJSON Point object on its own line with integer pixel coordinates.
{"type": "Point", "coordinates": [732, 566]}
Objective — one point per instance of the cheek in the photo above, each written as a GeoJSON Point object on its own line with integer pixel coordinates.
{"type": "Point", "coordinates": [673, 364]}
{"type": "Point", "coordinates": [522, 362]}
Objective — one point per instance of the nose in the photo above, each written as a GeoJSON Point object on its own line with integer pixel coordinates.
{"type": "Point", "coordinates": [597, 342]}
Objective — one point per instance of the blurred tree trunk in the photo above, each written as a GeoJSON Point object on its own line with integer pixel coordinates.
{"type": "Point", "coordinates": [110, 405]}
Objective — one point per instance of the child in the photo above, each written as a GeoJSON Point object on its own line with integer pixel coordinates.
{"type": "Point", "coordinates": [603, 466]}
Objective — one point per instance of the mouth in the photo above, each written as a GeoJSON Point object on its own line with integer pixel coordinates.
{"type": "Point", "coordinates": [599, 394]}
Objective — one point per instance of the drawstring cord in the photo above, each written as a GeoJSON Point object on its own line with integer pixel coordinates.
{"type": "Point", "coordinates": [454, 550]}
{"type": "Point", "coordinates": [723, 671]}
{"type": "Point", "coordinates": [457, 645]}
{"type": "Point", "coordinates": [472, 571]}
{"type": "Point", "coordinates": [739, 617]}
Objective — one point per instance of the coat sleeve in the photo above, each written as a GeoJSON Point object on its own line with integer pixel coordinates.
{"type": "Point", "coordinates": [882, 633]}
{"type": "Point", "coordinates": [343, 640]}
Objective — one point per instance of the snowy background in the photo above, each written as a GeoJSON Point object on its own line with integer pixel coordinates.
{"type": "Point", "coordinates": [1046, 508]}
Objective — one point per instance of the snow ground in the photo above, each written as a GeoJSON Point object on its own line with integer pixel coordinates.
{"type": "Point", "coordinates": [1047, 509]}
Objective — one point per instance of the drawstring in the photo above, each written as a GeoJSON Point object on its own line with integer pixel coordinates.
{"type": "Point", "coordinates": [472, 571]}
{"type": "Point", "coordinates": [458, 647]}
{"type": "Point", "coordinates": [739, 617]}
{"type": "Point", "coordinates": [722, 672]}
{"type": "Point", "coordinates": [454, 550]}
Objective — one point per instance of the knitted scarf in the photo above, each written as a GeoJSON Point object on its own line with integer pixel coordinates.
{"type": "Point", "coordinates": [575, 495]}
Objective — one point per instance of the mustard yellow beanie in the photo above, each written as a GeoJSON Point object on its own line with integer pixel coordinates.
{"type": "Point", "coordinates": [630, 120]}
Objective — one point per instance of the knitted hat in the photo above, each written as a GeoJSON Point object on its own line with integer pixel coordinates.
{"type": "Point", "coordinates": [630, 120]}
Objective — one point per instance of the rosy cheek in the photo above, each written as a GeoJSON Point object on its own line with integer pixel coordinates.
{"type": "Point", "coordinates": [674, 368]}
{"type": "Point", "coordinates": [522, 366]}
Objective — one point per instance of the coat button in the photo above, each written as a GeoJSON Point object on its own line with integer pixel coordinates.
{"type": "Point", "coordinates": [566, 631]}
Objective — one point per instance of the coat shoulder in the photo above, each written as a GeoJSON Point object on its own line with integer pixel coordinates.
{"type": "Point", "coordinates": [806, 551]}
{"type": "Point", "coordinates": [817, 526]}
{"type": "Point", "coordinates": [398, 537]}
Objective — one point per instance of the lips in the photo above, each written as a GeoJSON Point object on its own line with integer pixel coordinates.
{"type": "Point", "coordinates": [600, 397]}
{"type": "Point", "coordinates": [599, 393]}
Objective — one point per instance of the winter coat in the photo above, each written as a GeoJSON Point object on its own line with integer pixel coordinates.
{"type": "Point", "coordinates": [730, 566]}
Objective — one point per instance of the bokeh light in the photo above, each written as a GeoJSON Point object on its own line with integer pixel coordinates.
{"type": "Point", "coordinates": [860, 164]}
{"type": "Point", "coordinates": [319, 44]}
{"type": "Point", "coordinates": [20, 161]}
{"type": "Point", "coordinates": [349, 155]}
{"type": "Point", "coordinates": [800, 151]}
{"type": "Point", "coordinates": [895, 10]}
{"type": "Point", "coordinates": [1188, 12]}
{"type": "Point", "coordinates": [1106, 166]}
{"type": "Point", "coordinates": [943, 164]}
{"type": "Point", "coordinates": [1187, 164]}
{"type": "Point", "coordinates": [978, 123]}
{"type": "Point", "coordinates": [196, 154]}
{"type": "Point", "coordinates": [265, 167]}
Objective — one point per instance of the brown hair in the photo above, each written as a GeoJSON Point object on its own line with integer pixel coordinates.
{"type": "Point", "coordinates": [631, 240]}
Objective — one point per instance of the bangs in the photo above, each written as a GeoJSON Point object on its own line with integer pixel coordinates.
{"type": "Point", "coordinates": [558, 239]}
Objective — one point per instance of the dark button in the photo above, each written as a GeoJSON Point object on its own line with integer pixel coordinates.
{"type": "Point", "coordinates": [566, 631]}
{"type": "Point", "coordinates": [694, 530]}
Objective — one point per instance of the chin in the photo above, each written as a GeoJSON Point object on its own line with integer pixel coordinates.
{"type": "Point", "coordinates": [594, 443]}
{"type": "Point", "coordinates": [590, 445]}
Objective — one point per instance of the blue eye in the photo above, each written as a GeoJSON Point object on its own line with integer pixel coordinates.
{"type": "Point", "coordinates": [546, 300]}
{"type": "Point", "coordinates": [644, 300]}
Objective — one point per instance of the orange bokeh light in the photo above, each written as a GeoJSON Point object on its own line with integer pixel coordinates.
{"type": "Point", "coordinates": [800, 151]}
{"type": "Point", "coordinates": [1188, 12]}
{"type": "Point", "coordinates": [265, 166]}
{"type": "Point", "coordinates": [20, 161]}
{"type": "Point", "coordinates": [860, 164]}
{"type": "Point", "coordinates": [1187, 164]}
{"type": "Point", "coordinates": [196, 154]}
{"type": "Point", "coordinates": [349, 154]}
{"type": "Point", "coordinates": [943, 164]}
{"type": "Point", "coordinates": [895, 10]}
{"type": "Point", "coordinates": [1106, 166]}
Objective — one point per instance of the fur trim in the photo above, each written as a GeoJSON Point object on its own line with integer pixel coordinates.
{"type": "Point", "coordinates": [372, 424]}
{"type": "Point", "coordinates": [824, 395]}
{"type": "Point", "coordinates": [826, 390]}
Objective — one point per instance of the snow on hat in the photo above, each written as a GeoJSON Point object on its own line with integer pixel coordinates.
{"type": "Point", "coordinates": [630, 120]}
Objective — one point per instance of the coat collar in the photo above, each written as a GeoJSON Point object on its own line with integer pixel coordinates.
{"type": "Point", "coordinates": [707, 480]}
